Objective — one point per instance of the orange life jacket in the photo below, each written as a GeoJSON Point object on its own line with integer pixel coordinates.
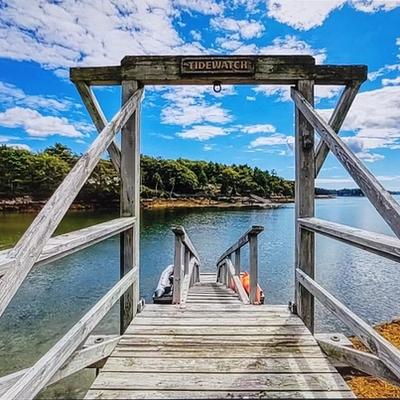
{"type": "Point", "coordinates": [245, 279]}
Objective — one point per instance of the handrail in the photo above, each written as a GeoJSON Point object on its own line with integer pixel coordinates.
{"type": "Point", "coordinates": [225, 274]}
{"type": "Point", "coordinates": [254, 230]}
{"type": "Point", "coordinates": [186, 265]}
{"type": "Point", "coordinates": [387, 353]}
{"type": "Point", "coordinates": [43, 370]}
{"type": "Point", "coordinates": [30, 246]}
{"type": "Point", "coordinates": [68, 243]}
{"type": "Point", "coordinates": [377, 243]}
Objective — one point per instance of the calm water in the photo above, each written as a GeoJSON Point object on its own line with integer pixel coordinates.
{"type": "Point", "coordinates": [55, 296]}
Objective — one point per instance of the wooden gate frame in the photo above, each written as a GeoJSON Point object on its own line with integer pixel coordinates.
{"type": "Point", "coordinates": [37, 246]}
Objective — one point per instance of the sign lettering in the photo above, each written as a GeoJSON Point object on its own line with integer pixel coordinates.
{"type": "Point", "coordinates": [217, 66]}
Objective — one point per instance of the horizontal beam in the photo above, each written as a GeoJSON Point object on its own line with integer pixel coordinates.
{"type": "Point", "coordinates": [377, 243]}
{"type": "Point", "coordinates": [45, 368]}
{"type": "Point", "coordinates": [180, 231]}
{"type": "Point", "coordinates": [244, 298]}
{"type": "Point", "coordinates": [166, 70]}
{"type": "Point", "coordinates": [386, 352]}
{"type": "Point", "coordinates": [360, 360]}
{"type": "Point", "coordinates": [82, 358]}
{"type": "Point", "coordinates": [254, 230]}
{"type": "Point", "coordinates": [380, 198]}
{"type": "Point", "coordinates": [63, 245]}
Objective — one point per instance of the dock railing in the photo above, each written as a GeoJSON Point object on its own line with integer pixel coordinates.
{"type": "Point", "coordinates": [186, 265]}
{"type": "Point", "coordinates": [74, 351]}
{"type": "Point", "coordinates": [228, 272]}
{"type": "Point", "coordinates": [384, 362]}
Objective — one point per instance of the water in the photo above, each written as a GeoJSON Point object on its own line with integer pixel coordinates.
{"type": "Point", "coordinates": [56, 295]}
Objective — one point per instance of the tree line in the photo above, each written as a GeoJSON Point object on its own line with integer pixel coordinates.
{"type": "Point", "coordinates": [37, 174]}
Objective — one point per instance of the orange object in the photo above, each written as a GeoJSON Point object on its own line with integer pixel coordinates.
{"type": "Point", "coordinates": [245, 279]}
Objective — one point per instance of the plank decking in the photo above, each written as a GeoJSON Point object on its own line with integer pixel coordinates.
{"type": "Point", "coordinates": [216, 347]}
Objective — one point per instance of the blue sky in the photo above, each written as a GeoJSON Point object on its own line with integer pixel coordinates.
{"type": "Point", "coordinates": [40, 40]}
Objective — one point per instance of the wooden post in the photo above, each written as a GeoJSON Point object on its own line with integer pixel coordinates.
{"type": "Point", "coordinates": [237, 262]}
{"type": "Point", "coordinates": [304, 208]}
{"type": "Point", "coordinates": [178, 260]}
{"type": "Point", "coordinates": [186, 260]}
{"type": "Point", "coordinates": [130, 206]}
{"type": "Point", "coordinates": [253, 262]}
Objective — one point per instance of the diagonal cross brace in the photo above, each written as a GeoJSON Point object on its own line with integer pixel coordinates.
{"type": "Point", "coordinates": [99, 120]}
{"type": "Point", "coordinates": [336, 121]}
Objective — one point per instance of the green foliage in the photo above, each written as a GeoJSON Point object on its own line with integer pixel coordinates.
{"type": "Point", "coordinates": [38, 174]}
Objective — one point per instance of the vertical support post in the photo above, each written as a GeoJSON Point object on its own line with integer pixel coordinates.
{"type": "Point", "coordinates": [304, 208]}
{"type": "Point", "coordinates": [237, 262]}
{"type": "Point", "coordinates": [130, 206]}
{"type": "Point", "coordinates": [253, 262]}
{"type": "Point", "coordinates": [178, 260]}
{"type": "Point", "coordinates": [186, 261]}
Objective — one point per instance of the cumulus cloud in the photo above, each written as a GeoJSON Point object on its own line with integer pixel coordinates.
{"type": "Point", "coordinates": [204, 132]}
{"type": "Point", "coordinates": [258, 128]}
{"type": "Point", "coordinates": [246, 29]}
{"type": "Point", "coordinates": [276, 139]}
{"type": "Point", "coordinates": [36, 124]}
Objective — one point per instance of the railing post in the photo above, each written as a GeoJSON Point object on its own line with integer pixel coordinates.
{"type": "Point", "coordinates": [178, 260]}
{"type": "Point", "coordinates": [304, 195]}
{"type": "Point", "coordinates": [237, 262]}
{"type": "Point", "coordinates": [130, 206]}
{"type": "Point", "coordinates": [186, 261]}
{"type": "Point", "coordinates": [253, 255]}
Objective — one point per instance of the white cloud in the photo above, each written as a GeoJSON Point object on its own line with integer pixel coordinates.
{"type": "Point", "coordinates": [246, 29]}
{"type": "Point", "coordinates": [371, 6]}
{"type": "Point", "coordinates": [203, 132]}
{"type": "Point", "coordinates": [36, 124]}
{"type": "Point", "coordinates": [258, 128]}
{"type": "Point", "coordinates": [391, 82]}
{"type": "Point", "coordinates": [302, 14]}
{"type": "Point", "coordinates": [208, 147]}
{"type": "Point", "coordinates": [207, 7]}
{"type": "Point", "coordinates": [276, 139]}
{"type": "Point", "coordinates": [18, 146]}
{"type": "Point", "coordinates": [196, 35]}
{"type": "Point", "coordinates": [250, 98]}
{"type": "Point", "coordinates": [12, 95]}
{"type": "Point", "coordinates": [356, 144]}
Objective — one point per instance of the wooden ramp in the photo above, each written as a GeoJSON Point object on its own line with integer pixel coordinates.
{"type": "Point", "coordinates": [215, 347]}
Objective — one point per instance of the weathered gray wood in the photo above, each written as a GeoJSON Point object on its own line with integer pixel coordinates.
{"type": "Point", "coordinates": [130, 205]}
{"type": "Point", "coordinates": [79, 360]}
{"type": "Point", "coordinates": [387, 353]}
{"type": "Point", "coordinates": [244, 239]}
{"type": "Point", "coordinates": [365, 362]}
{"type": "Point", "coordinates": [185, 286]}
{"type": "Point", "coordinates": [30, 246]}
{"type": "Point", "coordinates": [336, 121]}
{"type": "Point", "coordinates": [212, 365]}
{"type": "Point", "coordinates": [63, 245]}
{"type": "Point", "coordinates": [304, 206]}
{"type": "Point", "coordinates": [180, 230]}
{"type": "Point", "coordinates": [178, 260]}
{"type": "Point", "coordinates": [253, 270]}
{"type": "Point", "coordinates": [208, 394]}
{"type": "Point", "coordinates": [237, 262]}
{"type": "Point", "coordinates": [227, 382]}
{"type": "Point", "coordinates": [104, 76]}
{"type": "Point", "coordinates": [381, 199]}
{"type": "Point", "coordinates": [99, 120]}
{"type": "Point", "coordinates": [377, 243]}
{"type": "Point", "coordinates": [44, 369]}
{"type": "Point", "coordinates": [244, 298]}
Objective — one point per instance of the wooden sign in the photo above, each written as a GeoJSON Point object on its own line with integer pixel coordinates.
{"type": "Point", "coordinates": [217, 66]}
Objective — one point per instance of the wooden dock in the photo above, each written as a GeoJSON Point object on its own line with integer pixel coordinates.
{"type": "Point", "coordinates": [216, 347]}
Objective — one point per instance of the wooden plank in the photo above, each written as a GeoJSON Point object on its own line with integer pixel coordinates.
{"type": "Point", "coordinates": [187, 279]}
{"type": "Point", "coordinates": [244, 239]}
{"type": "Point", "coordinates": [207, 394]}
{"type": "Point", "coordinates": [99, 120]}
{"type": "Point", "coordinates": [215, 330]}
{"type": "Point", "coordinates": [383, 245]}
{"type": "Point", "coordinates": [381, 199]}
{"type": "Point", "coordinates": [30, 246]}
{"type": "Point", "coordinates": [212, 365]}
{"type": "Point", "coordinates": [178, 264]}
{"type": "Point", "coordinates": [304, 206]}
{"type": "Point", "coordinates": [388, 354]}
{"type": "Point", "coordinates": [336, 121]}
{"type": "Point", "coordinates": [106, 76]}
{"type": "Point", "coordinates": [44, 369]}
{"type": "Point", "coordinates": [79, 360]}
{"type": "Point", "coordinates": [267, 308]}
{"type": "Point", "coordinates": [365, 362]}
{"type": "Point", "coordinates": [220, 320]}
{"type": "Point", "coordinates": [63, 245]}
{"type": "Point", "coordinates": [253, 269]}
{"type": "Point", "coordinates": [223, 382]}
{"type": "Point", "coordinates": [130, 205]}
